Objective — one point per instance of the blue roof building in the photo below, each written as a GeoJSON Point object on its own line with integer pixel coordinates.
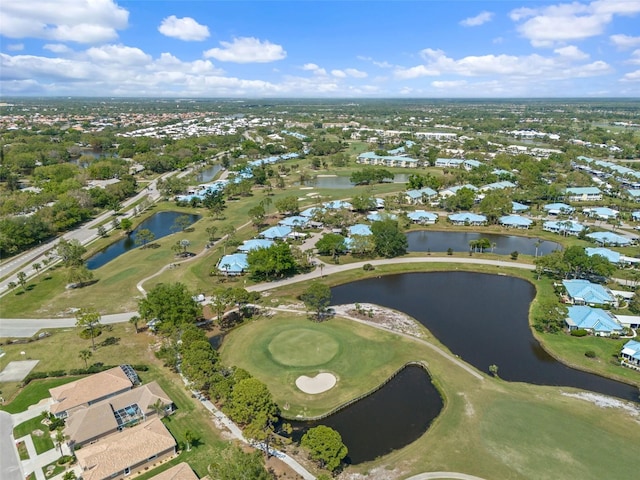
{"type": "Point", "coordinates": [311, 211]}
{"type": "Point", "coordinates": [254, 244]}
{"type": "Point", "coordinates": [595, 320]}
{"type": "Point", "coordinates": [515, 221]}
{"type": "Point", "coordinates": [635, 216]}
{"type": "Point", "coordinates": [583, 194]}
{"type": "Point", "coordinates": [558, 208]}
{"type": "Point", "coordinates": [518, 207]}
{"type": "Point", "coordinates": [498, 186]}
{"type": "Point", "coordinates": [634, 194]}
{"type": "Point", "coordinates": [294, 221]}
{"type": "Point", "coordinates": [612, 256]}
{"type": "Point", "coordinates": [337, 205]}
{"type": "Point", "coordinates": [567, 227]}
{"type": "Point", "coordinates": [630, 354]}
{"type": "Point", "coordinates": [379, 202]}
{"type": "Point", "coordinates": [376, 217]}
{"type": "Point", "coordinates": [420, 216]}
{"type": "Point", "coordinates": [467, 218]}
{"type": "Point", "coordinates": [359, 229]}
{"type": "Point", "coordinates": [583, 292]}
{"type": "Point", "coordinates": [602, 213]}
{"type": "Point", "coordinates": [418, 196]}
{"type": "Point", "coordinates": [609, 238]}
{"type": "Point", "coordinates": [234, 264]}
{"type": "Point", "coordinates": [276, 232]}
{"type": "Point", "coordinates": [447, 192]}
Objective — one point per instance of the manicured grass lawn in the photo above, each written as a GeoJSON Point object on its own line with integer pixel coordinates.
{"type": "Point", "coordinates": [31, 394]}
{"type": "Point", "coordinates": [279, 349]}
{"type": "Point", "coordinates": [42, 442]}
{"type": "Point", "coordinates": [190, 416]}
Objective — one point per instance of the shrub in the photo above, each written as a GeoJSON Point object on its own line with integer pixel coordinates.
{"type": "Point", "coordinates": [579, 332]}
{"type": "Point", "coordinates": [514, 255]}
{"type": "Point", "coordinates": [449, 251]}
{"type": "Point", "coordinates": [590, 354]}
{"type": "Point", "coordinates": [368, 267]}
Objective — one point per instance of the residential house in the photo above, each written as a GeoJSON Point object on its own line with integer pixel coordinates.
{"type": "Point", "coordinates": [420, 216]}
{"type": "Point", "coordinates": [234, 264]}
{"type": "Point", "coordinates": [337, 205]}
{"type": "Point", "coordinates": [518, 207]}
{"type": "Point", "coordinates": [377, 216]}
{"type": "Point", "coordinates": [601, 213]}
{"type": "Point", "coordinates": [421, 196]}
{"type": "Point", "coordinates": [635, 216]}
{"type": "Point", "coordinates": [87, 424]}
{"type": "Point", "coordinates": [611, 255]}
{"type": "Point", "coordinates": [127, 452]}
{"type": "Point", "coordinates": [360, 229]}
{"type": "Point", "coordinates": [503, 185]}
{"type": "Point", "coordinates": [92, 389]}
{"type": "Point", "coordinates": [254, 244]}
{"type": "Point", "coordinates": [467, 218]}
{"type": "Point", "coordinates": [277, 232]}
{"type": "Point", "coordinates": [558, 209]}
{"type": "Point", "coordinates": [515, 221]}
{"type": "Point", "coordinates": [634, 194]}
{"type": "Point", "coordinates": [296, 221]}
{"type": "Point", "coordinates": [630, 354]}
{"type": "Point", "coordinates": [583, 292]}
{"type": "Point", "coordinates": [370, 158]}
{"type": "Point", "coordinates": [448, 192]}
{"type": "Point", "coordinates": [583, 194]}
{"type": "Point", "coordinates": [566, 227]}
{"type": "Point", "coordinates": [595, 320]}
{"type": "Point", "coordinates": [609, 238]}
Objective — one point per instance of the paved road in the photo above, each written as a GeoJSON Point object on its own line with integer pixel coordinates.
{"type": "Point", "coordinates": [10, 468]}
{"type": "Point", "coordinates": [84, 234]}
{"type": "Point", "coordinates": [28, 327]}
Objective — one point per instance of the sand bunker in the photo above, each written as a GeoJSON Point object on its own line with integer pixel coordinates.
{"type": "Point", "coordinates": [318, 384]}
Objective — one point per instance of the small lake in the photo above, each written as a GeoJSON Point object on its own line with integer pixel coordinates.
{"type": "Point", "coordinates": [344, 182]}
{"type": "Point", "coordinates": [483, 319]}
{"type": "Point", "coordinates": [390, 418]}
{"type": "Point", "coordinates": [161, 224]}
{"type": "Point", "coordinates": [429, 240]}
{"type": "Point", "coordinates": [209, 173]}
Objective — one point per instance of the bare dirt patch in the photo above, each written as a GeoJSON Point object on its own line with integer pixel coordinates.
{"type": "Point", "coordinates": [603, 401]}
{"type": "Point", "coordinates": [382, 316]}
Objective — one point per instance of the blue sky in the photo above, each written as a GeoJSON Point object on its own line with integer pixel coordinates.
{"type": "Point", "coordinates": [407, 49]}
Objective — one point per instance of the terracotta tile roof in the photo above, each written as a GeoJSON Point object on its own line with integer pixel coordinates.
{"type": "Point", "coordinates": [86, 423]}
{"type": "Point", "coordinates": [88, 389]}
{"type": "Point", "coordinates": [181, 471]}
{"type": "Point", "coordinates": [125, 449]}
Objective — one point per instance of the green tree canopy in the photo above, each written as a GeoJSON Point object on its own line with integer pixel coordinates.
{"type": "Point", "coordinates": [251, 399]}
{"type": "Point", "coordinates": [144, 236]}
{"type": "Point", "coordinates": [233, 463]}
{"type": "Point", "coordinates": [172, 304]}
{"type": "Point", "coordinates": [494, 205]}
{"type": "Point", "coordinates": [274, 261]}
{"type": "Point", "coordinates": [325, 446]}
{"type": "Point", "coordinates": [462, 200]}
{"type": "Point", "coordinates": [317, 298]}
{"type": "Point", "coordinates": [389, 240]}
{"type": "Point", "coordinates": [288, 205]}
{"type": "Point", "coordinates": [70, 252]}
{"type": "Point", "coordinates": [331, 244]}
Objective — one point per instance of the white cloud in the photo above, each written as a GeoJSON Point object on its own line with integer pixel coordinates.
{"type": "Point", "coordinates": [185, 28]}
{"type": "Point", "coordinates": [449, 84]}
{"type": "Point", "coordinates": [15, 47]}
{"type": "Point", "coordinates": [312, 67]}
{"type": "Point", "coordinates": [349, 72]}
{"type": "Point", "coordinates": [247, 50]}
{"type": "Point", "coordinates": [552, 24]}
{"type": "Point", "coordinates": [635, 58]}
{"type": "Point", "coordinates": [564, 65]}
{"type": "Point", "coordinates": [383, 64]}
{"type": "Point", "coordinates": [624, 41]}
{"type": "Point", "coordinates": [57, 48]}
{"type": "Point", "coordinates": [81, 21]}
{"type": "Point", "coordinates": [478, 20]}
{"type": "Point", "coordinates": [571, 52]}
{"type": "Point", "coordinates": [631, 77]}
{"type": "Point", "coordinates": [118, 55]}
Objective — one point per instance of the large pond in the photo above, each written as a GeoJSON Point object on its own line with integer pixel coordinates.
{"type": "Point", "coordinates": [392, 417]}
{"type": "Point", "coordinates": [429, 240]}
{"type": "Point", "coordinates": [207, 174]}
{"type": "Point", "coordinates": [481, 318]}
{"type": "Point", "coordinates": [161, 224]}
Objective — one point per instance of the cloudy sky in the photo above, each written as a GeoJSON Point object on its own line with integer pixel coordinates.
{"type": "Point", "coordinates": [329, 48]}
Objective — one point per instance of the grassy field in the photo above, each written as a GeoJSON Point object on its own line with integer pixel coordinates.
{"type": "Point", "coordinates": [61, 350]}
{"type": "Point", "coordinates": [31, 394]}
{"type": "Point", "coordinates": [43, 442]}
{"type": "Point", "coordinates": [279, 349]}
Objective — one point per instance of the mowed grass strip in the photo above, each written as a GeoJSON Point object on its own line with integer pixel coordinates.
{"type": "Point", "coordinates": [42, 442]}
{"type": "Point", "coordinates": [361, 358]}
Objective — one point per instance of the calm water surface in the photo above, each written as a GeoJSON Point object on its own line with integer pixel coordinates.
{"type": "Point", "coordinates": [481, 318]}
{"type": "Point", "coordinates": [389, 419]}
{"type": "Point", "coordinates": [208, 174]}
{"type": "Point", "coordinates": [429, 240]}
{"type": "Point", "coordinates": [161, 224]}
